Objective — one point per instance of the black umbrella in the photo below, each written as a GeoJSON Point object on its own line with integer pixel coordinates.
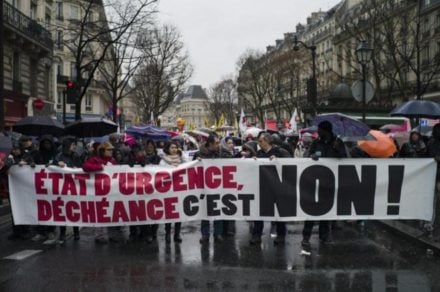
{"type": "Point", "coordinates": [417, 109]}
{"type": "Point", "coordinates": [91, 127]}
{"type": "Point", "coordinates": [38, 126]}
{"type": "Point", "coordinates": [5, 144]}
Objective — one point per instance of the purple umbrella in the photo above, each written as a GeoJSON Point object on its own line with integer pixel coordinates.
{"type": "Point", "coordinates": [343, 125]}
{"type": "Point", "coordinates": [417, 109]}
{"type": "Point", "coordinates": [148, 132]}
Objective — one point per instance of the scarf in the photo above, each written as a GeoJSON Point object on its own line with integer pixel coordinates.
{"type": "Point", "coordinates": [173, 160]}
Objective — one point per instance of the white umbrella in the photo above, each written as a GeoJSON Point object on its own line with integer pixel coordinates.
{"type": "Point", "coordinates": [252, 131]}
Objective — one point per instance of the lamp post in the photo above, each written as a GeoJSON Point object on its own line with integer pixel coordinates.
{"type": "Point", "coordinates": [363, 55]}
{"type": "Point", "coordinates": [312, 90]}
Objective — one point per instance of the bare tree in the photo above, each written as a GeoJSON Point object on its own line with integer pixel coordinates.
{"type": "Point", "coordinates": [164, 71]}
{"type": "Point", "coordinates": [255, 83]}
{"type": "Point", "coordinates": [223, 100]}
{"type": "Point", "coordinates": [119, 69]}
{"type": "Point", "coordinates": [401, 42]}
{"type": "Point", "coordinates": [91, 37]}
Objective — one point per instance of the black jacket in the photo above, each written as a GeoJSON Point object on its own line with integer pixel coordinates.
{"type": "Point", "coordinates": [69, 158]}
{"type": "Point", "coordinates": [330, 148]}
{"type": "Point", "coordinates": [274, 151]}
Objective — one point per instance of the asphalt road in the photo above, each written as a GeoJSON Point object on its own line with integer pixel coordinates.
{"type": "Point", "coordinates": [372, 260]}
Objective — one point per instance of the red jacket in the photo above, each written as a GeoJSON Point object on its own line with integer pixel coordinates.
{"type": "Point", "coordinates": [96, 163]}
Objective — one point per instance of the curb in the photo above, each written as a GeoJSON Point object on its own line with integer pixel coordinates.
{"type": "Point", "coordinates": [412, 233]}
{"type": "Point", "coordinates": [5, 209]}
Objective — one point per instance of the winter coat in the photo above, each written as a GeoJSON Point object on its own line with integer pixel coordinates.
{"type": "Point", "coordinates": [274, 151]}
{"type": "Point", "coordinates": [96, 163]}
{"type": "Point", "coordinates": [66, 156]}
{"type": "Point", "coordinates": [333, 147]}
{"type": "Point", "coordinates": [206, 153]}
{"type": "Point", "coordinates": [45, 156]}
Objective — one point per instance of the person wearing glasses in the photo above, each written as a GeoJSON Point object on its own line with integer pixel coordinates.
{"type": "Point", "coordinates": [97, 163]}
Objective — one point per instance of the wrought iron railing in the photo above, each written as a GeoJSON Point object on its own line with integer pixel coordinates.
{"type": "Point", "coordinates": [24, 24]}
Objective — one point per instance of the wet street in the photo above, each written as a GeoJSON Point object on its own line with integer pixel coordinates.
{"type": "Point", "coordinates": [368, 260]}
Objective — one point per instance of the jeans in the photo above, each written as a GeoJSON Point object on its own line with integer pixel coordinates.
{"type": "Point", "coordinates": [324, 229]}
{"type": "Point", "coordinates": [259, 225]}
{"type": "Point", "coordinates": [218, 227]}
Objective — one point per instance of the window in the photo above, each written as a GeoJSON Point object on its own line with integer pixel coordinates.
{"type": "Point", "coordinates": [60, 69]}
{"type": "Point", "coordinates": [47, 21]}
{"type": "Point", "coordinates": [16, 68]}
{"type": "Point", "coordinates": [89, 104]}
{"type": "Point", "coordinates": [74, 12]}
{"type": "Point", "coordinates": [60, 10]}
{"type": "Point", "coordinates": [59, 99]}
{"type": "Point", "coordinates": [73, 73]}
{"type": "Point", "coordinates": [33, 11]}
{"type": "Point", "coordinates": [60, 40]}
{"type": "Point", "coordinates": [90, 16]}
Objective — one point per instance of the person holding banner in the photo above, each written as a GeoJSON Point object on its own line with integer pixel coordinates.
{"type": "Point", "coordinates": [227, 151]}
{"type": "Point", "coordinates": [97, 163]}
{"type": "Point", "coordinates": [211, 150]}
{"type": "Point", "coordinates": [268, 150]}
{"type": "Point", "coordinates": [173, 157]}
{"type": "Point", "coordinates": [138, 157]}
{"type": "Point", "coordinates": [68, 157]}
{"type": "Point", "coordinates": [326, 145]}
{"type": "Point", "coordinates": [153, 158]}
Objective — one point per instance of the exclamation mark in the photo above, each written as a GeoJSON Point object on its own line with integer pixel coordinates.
{"type": "Point", "coordinates": [394, 188]}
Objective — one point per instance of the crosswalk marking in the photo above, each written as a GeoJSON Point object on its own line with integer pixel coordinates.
{"type": "Point", "coordinates": [21, 255]}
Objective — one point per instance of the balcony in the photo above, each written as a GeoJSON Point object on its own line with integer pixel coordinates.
{"type": "Point", "coordinates": [18, 22]}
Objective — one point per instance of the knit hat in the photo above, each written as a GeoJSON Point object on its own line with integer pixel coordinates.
{"type": "Point", "coordinates": [326, 126]}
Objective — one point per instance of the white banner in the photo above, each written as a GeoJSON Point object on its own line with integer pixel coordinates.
{"type": "Point", "coordinates": [284, 189]}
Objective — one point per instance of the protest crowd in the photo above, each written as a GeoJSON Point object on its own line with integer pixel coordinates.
{"type": "Point", "coordinates": [94, 156]}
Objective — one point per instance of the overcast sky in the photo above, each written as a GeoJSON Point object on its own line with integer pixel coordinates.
{"type": "Point", "coordinates": [217, 32]}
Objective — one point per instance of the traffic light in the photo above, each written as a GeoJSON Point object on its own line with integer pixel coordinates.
{"type": "Point", "coordinates": [72, 91]}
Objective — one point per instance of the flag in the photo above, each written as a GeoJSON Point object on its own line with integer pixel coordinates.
{"type": "Point", "coordinates": [242, 124]}
{"type": "Point", "coordinates": [293, 125]}
{"type": "Point", "coordinates": [265, 120]}
{"type": "Point", "coordinates": [221, 121]}
{"type": "Point", "coordinates": [206, 122]}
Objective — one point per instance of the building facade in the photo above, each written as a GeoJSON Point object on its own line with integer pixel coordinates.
{"type": "Point", "coordinates": [404, 35]}
{"type": "Point", "coordinates": [27, 58]}
{"type": "Point", "coordinates": [192, 106]}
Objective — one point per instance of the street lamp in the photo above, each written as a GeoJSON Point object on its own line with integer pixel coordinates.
{"type": "Point", "coordinates": [363, 55]}
{"type": "Point", "coordinates": [312, 91]}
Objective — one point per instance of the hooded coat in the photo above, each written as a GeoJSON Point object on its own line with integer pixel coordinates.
{"type": "Point", "coordinates": [71, 159]}
{"type": "Point", "coordinates": [43, 155]}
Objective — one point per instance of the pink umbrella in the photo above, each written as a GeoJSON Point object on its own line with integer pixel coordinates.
{"type": "Point", "coordinates": [129, 139]}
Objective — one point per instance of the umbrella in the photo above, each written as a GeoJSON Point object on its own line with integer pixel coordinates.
{"type": "Point", "coordinates": [382, 147]}
{"type": "Point", "coordinates": [148, 132]}
{"type": "Point", "coordinates": [91, 127]}
{"type": "Point", "coordinates": [226, 128]}
{"type": "Point", "coordinates": [197, 133]}
{"type": "Point", "coordinates": [393, 128]}
{"type": "Point", "coordinates": [5, 144]}
{"type": "Point", "coordinates": [38, 126]}
{"type": "Point", "coordinates": [207, 131]}
{"type": "Point", "coordinates": [417, 109]}
{"type": "Point", "coordinates": [343, 125]}
{"type": "Point", "coordinates": [252, 131]}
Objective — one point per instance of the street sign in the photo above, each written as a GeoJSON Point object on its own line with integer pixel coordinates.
{"type": "Point", "coordinates": [356, 89]}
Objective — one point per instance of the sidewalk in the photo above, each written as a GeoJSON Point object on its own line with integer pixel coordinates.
{"type": "Point", "coordinates": [414, 234]}
{"type": "Point", "coordinates": [4, 207]}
